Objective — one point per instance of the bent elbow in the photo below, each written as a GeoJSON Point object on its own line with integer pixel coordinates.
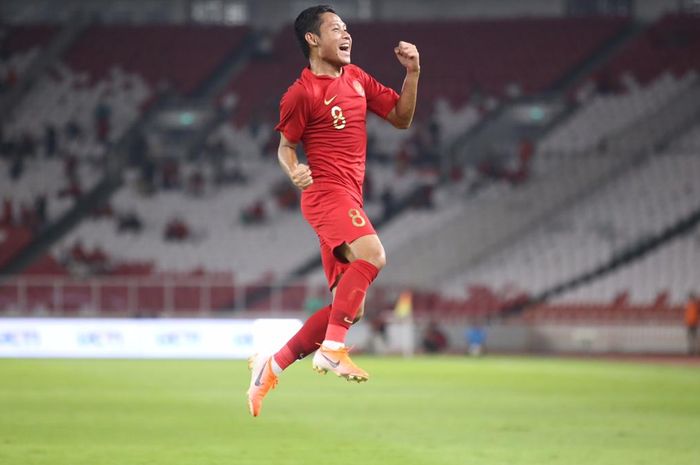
{"type": "Point", "coordinates": [402, 124]}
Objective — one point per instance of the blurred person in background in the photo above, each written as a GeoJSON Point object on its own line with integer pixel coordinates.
{"type": "Point", "coordinates": [325, 109]}
{"type": "Point", "coordinates": [476, 339]}
{"type": "Point", "coordinates": [434, 339]}
{"type": "Point", "coordinates": [692, 309]}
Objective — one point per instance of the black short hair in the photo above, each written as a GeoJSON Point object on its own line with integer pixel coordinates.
{"type": "Point", "coordinates": [309, 20]}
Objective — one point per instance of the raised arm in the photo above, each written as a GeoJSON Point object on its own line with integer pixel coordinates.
{"type": "Point", "coordinates": [298, 173]}
{"type": "Point", "coordinates": [402, 114]}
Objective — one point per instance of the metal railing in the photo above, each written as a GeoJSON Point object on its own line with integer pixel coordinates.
{"type": "Point", "coordinates": [148, 296]}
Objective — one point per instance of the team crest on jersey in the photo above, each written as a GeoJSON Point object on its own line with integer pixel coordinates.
{"type": "Point", "coordinates": [358, 87]}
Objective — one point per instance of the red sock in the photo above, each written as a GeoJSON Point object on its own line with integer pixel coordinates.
{"type": "Point", "coordinates": [352, 288]}
{"type": "Point", "coordinates": [306, 340]}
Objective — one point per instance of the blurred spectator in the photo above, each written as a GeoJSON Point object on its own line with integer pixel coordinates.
{"type": "Point", "coordinates": [691, 323]}
{"type": "Point", "coordinates": [70, 166]}
{"type": "Point", "coordinates": [378, 340]}
{"type": "Point", "coordinates": [50, 140]}
{"type": "Point", "coordinates": [16, 167]}
{"type": "Point", "coordinates": [389, 203]}
{"type": "Point", "coordinates": [254, 214]}
{"type": "Point", "coordinates": [176, 230]}
{"type": "Point", "coordinates": [434, 340]}
{"type": "Point", "coordinates": [97, 260]}
{"type": "Point", "coordinates": [170, 172]}
{"type": "Point", "coordinates": [7, 213]}
{"type": "Point", "coordinates": [103, 210]}
{"type": "Point", "coordinates": [40, 202]}
{"type": "Point", "coordinates": [195, 184]}
{"type": "Point", "coordinates": [422, 197]}
{"type": "Point", "coordinates": [138, 150]}
{"type": "Point", "coordinates": [368, 187]}
{"type": "Point", "coordinates": [72, 190]}
{"type": "Point", "coordinates": [80, 260]}
{"type": "Point", "coordinates": [28, 216]}
{"type": "Point", "coordinates": [148, 175]}
{"type": "Point", "coordinates": [476, 339]}
{"type": "Point", "coordinates": [129, 221]}
{"type": "Point", "coordinates": [73, 130]}
{"type": "Point", "coordinates": [287, 196]}
{"type": "Point", "coordinates": [77, 252]}
{"type": "Point", "coordinates": [27, 145]}
{"type": "Point", "coordinates": [313, 302]}
{"type": "Point", "coordinates": [103, 113]}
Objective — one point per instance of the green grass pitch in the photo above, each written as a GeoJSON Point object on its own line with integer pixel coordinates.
{"type": "Point", "coordinates": [425, 411]}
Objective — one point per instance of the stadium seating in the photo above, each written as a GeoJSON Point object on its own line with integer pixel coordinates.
{"type": "Point", "coordinates": [12, 239]}
{"type": "Point", "coordinates": [672, 269]}
{"type": "Point", "coordinates": [64, 101]}
{"type": "Point", "coordinates": [20, 45]}
{"type": "Point", "coordinates": [220, 243]}
{"type": "Point", "coordinates": [263, 81]}
{"type": "Point", "coordinates": [645, 201]}
{"type": "Point", "coordinates": [604, 115]}
{"type": "Point", "coordinates": [671, 44]}
{"type": "Point", "coordinates": [457, 56]}
{"type": "Point", "coordinates": [171, 55]}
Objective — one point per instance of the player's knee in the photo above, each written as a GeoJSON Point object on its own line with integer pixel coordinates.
{"type": "Point", "coordinates": [378, 259]}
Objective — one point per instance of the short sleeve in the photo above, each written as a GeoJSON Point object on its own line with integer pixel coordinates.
{"type": "Point", "coordinates": [293, 114]}
{"type": "Point", "coordinates": [380, 99]}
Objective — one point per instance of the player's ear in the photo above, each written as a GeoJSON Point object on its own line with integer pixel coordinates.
{"type": "Point", "coordinates": [311, 39]}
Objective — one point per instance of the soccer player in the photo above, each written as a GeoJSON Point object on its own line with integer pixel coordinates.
{"type": "Point", "coordinates": [325, 109]}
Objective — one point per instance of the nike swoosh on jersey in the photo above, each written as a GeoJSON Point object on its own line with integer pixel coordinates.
{"type": "Point", "coordinates": [345, 319]}
{"type": "Point", "coordinates": [328, 102]}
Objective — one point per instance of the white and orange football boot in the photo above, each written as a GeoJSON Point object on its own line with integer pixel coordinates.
{"type": "Point", "coordinates": [262, 379]}
{"type": "Point", "coordinates": [338, 361]}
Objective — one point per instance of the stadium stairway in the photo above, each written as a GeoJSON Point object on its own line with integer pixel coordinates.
{"type": "Point", "coordinates": [62, 41]}
{"type": "Point", "coordinates": [602, 56]}
{"type": "Point", "coordinates": [483, 228]}
{"type": "Point", "coordinates": [503, 127]}
{"type": "Point", "coordinates": [205, 98]}
{"type": "Point", "coordinates": [233, 64]}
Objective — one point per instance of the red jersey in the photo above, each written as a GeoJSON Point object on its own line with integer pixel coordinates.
{"type": "Point", "coordinates": [328, 115]}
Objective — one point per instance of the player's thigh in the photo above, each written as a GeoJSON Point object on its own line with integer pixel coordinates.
{"type": "Point", "coordinates": [368, 248]}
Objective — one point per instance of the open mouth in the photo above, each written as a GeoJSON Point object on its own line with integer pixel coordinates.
{"type": "Point", "coordinates": [345, 48]}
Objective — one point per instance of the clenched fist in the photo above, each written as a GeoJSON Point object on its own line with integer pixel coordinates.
{"type": "Point", "coordinates": [301, 176]}
{"type": "Point", "coordinates": [408, 56]}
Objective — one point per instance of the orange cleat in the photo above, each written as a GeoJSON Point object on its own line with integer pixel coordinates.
{"type": "Point", "coordinates": [338, 361]}
{"type": "Point", "coordinates": [262, 379]}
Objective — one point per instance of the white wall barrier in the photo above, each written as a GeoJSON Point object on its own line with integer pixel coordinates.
{"type": "Point", "coordinates": [142, 338]}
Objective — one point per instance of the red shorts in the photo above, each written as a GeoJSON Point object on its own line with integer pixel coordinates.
{"type": "Point", "coordinates": [338, 218]}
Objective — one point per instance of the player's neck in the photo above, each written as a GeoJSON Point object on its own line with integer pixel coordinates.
{"type": "Point", "coordinates": [320, 67]}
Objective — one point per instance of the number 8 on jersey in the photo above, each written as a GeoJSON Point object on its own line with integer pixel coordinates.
{"type": "Point", "coordinates": [356, 218]}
